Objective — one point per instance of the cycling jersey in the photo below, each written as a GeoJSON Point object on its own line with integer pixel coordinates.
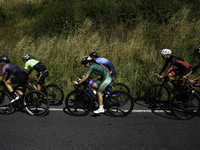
{"type": "Point", "coordinates": [39, 67]}
{"type": "Point", "coordinates": [107, 63]}
{"type": "Point", "coordinates": [35, 64]}
{"type": "Point", "coordinates": [106, 78]}
{"type": "Point", "coordinates": [183, 67]}
{"type": "Point", "coordinates": [19, 75]}
{"type": "Point", "coordinates": [11, 69]}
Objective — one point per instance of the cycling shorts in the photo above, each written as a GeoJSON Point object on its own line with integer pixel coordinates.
{"type": "Point", "coordinates": [19, 79]}
{"type": "Point", "coordinates": [180, 72]}
{"type": "Point", "coordinates": [103, 82]}
{"type": "Point", "coordinates": [41, 76]}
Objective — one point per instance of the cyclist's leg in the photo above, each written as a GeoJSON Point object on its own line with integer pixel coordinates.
{"type": "Point", "coordinates": [174, 73]}
{"type": "Point", "coordinates": [40, 79]}
{"type": "Point", "coordinates": [101, 87]}
{"type": "Point", "coordinates": [20, 78]}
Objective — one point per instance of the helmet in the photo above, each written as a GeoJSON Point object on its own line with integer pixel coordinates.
{"type": "Point", "coordinates": [165, 52]}
{"type": "Point", "coordinates": [197, 49]}
{"type": "Point", "coordinates": [93, 54]}
{"type": "Point", "coordinates": [86, 59]}
{"type": "Point", "coordinates": [26, 57]}
{"type": "Point", "coordinates": [4, 59]}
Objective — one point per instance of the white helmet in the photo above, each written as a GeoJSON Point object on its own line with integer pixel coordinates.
{"type": "Point", "coordinates": [165, 52]}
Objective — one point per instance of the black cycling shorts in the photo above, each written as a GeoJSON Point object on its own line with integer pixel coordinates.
{"type": "Point", "coordinates": [41, 76]}
{"type": "Point", "coordinates": [180, 72]}
{"type": "Point", "coordinates": [19, 79]}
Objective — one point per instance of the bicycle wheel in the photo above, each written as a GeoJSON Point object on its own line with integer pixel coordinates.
{"type": "Point", "coordinates": [184, 106]}
{"type": "Point", "coordinates": [5, 105]}
{"type": "Point", "coordinates": [54, 94]}
{"type": "Point", "coordinates": [36, 103]}
{"type": "Point", "coordinates": [119, 103]}
{"type": "Point", "coordinates": [157, 94]}
{"type": "Point", "coordinates": [78, 103]}
{"type": "Point", "coordinates": [121, 86]}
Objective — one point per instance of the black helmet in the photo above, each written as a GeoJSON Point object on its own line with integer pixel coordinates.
{"type": "Point", "coordinates": [26, 57]}
{"type": "Point", "coordinates": [93, 54]}
{"type": "Point", "coordinates": [86, 59]}
{"type": "Point", "coordinates": [4, 59]}
{"type": "Point", "coordinates": [197, 49]}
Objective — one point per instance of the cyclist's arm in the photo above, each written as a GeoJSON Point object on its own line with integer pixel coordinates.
{"type": "Point", "coordinates": [192, 71]}
{"type": "Point", "coordinates": [29, 71]}
{"type": "Point", "coordinates": [164, 67]}
{"type": "Point", "coordinates": [197, 78]}
{"type": "Point", "coordinates": [81, 80]}
{"type": "Point", "coordinates": [168, 71]}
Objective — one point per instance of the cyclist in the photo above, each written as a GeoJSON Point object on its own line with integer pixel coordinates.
{"type": "Point", "coordinates": [38, 66]}
{"type": "Point", "coordinates": [103, 80]}
{"type": "Point", "coordinates": [19, 76]}
{"type": "Point", "coordinates": [197, 51]}
{"type": "Point", "coordinates": [183, 67]}
{"type": "Point", "coordinates": [107, 63]}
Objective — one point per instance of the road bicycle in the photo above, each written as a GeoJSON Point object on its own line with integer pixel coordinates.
{"type": "Point", "coordinates": [83, 100]}
{"type": "Point", "coordinates": [186, 105]}
{"type": "Point", "coordinates": [160, 93]}
{"type": "Point", "coordinates": [34, 102]}
{"type": "Point", "coordinates": [53, 92]}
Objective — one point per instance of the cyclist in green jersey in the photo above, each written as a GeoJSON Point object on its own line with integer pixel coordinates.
{"type": "Point", "coordinates": [103, 80]}
{"type": "Point", "coordinates": [38, 66]}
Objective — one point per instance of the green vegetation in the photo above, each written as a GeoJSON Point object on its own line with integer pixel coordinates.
{"type": "Point", "coordinates": [130, 33]}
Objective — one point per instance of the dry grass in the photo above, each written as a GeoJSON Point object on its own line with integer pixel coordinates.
{"type": "Point", "coordinates": [135, 59]}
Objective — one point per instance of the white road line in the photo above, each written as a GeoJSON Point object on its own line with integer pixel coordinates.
{"type": "Point", "coordinates": [143, 111]}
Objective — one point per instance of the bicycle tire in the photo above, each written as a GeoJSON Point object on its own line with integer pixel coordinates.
{"type": "Point", "coordinates": [36, 103]}
{"type": "Point", "coordinates": [119, 103]}
{"type": "Point", "coordinates": [157, 94]}
{"type": "Point", "coordinates": [78, 103]}
{"type": "Point", "coordinates": [182, 109]}
{"type": "Point", "coordinates": [121, 86]}
{"type": "Point", "coordinates": [5, 105]}
{"type": "Point", "coordinates": [54, 94]}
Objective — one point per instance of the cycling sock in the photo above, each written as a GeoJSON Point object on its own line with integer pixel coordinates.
{"type": "Point", "coordinates": [101, 107]}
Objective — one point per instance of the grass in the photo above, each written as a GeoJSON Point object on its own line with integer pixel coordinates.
{"type": "Point", "coordinates": [136, 57]}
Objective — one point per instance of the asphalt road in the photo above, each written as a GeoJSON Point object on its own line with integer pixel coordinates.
{"type": "Point", "coordinates": [141, 130]}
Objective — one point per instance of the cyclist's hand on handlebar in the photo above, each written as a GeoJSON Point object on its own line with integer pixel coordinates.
{"type": "Point", "coordinates": [78, 79]}
{"type": "Point", "coordinates": [158, 76]}
{"type": "Point", "coordinates": [75, 82]}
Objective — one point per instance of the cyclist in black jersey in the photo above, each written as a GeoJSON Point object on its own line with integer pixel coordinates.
{"type": "Point", "coordinates": [182, 69]}
{"type": "Point", "coordinates": [197, 51]}
{"type": "Point", "coordinates": [19, 76]}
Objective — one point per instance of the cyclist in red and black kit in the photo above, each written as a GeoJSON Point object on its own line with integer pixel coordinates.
{"type": "Point", "coordinates": [183, 67]}
{"type": "Point", "coordinates": [19, 75]}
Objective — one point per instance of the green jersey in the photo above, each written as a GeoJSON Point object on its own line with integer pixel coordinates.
{"type": "Point", "coordinates": [30, 63]}
{"type": "Point", "coordinates": [98, 70]}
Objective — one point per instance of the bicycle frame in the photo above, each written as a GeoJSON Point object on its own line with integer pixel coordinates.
{"type": "Point", "coordinates": [165, 83]}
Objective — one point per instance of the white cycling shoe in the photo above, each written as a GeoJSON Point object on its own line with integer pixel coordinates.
{"type": "Point", "coordinates": [14, 99]}
{"type": "Point", "coordinates": [100, 110]}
